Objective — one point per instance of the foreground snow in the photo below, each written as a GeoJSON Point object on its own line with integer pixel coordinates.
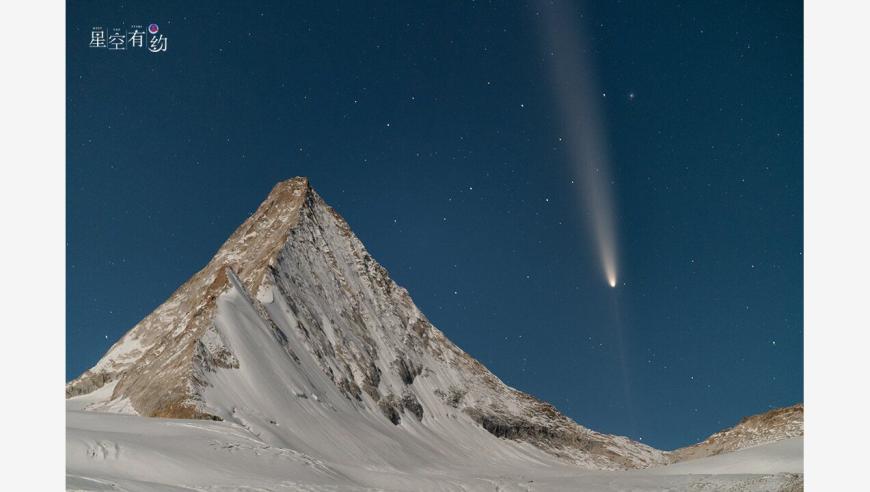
{"type": "Point", "coordinates": [107, 451]}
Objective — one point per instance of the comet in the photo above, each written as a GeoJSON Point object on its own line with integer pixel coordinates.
{"type": "Point", "coordinates": [578, 98]}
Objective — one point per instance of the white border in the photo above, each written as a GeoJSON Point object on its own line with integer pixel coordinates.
{"type": "Point", "coordinates": [836, 246]}
{"type": "Point", "coordinates": [32, 245]}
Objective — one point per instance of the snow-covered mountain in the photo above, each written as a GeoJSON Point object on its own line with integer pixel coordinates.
{"type": "Point", "coordinates": [294, 334]}
{"type": "Point", "coordinates": [764, 428]}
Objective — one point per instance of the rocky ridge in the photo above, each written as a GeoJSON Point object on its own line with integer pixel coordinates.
{"type": "Point", "coordinates": [771, 426]}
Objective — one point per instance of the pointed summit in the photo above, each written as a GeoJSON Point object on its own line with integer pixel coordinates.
{"type": "Point", "coordinates": [295, 333]}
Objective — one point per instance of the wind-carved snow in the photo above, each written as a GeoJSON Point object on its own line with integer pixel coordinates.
{"type": "Point", "coordinates": [294, 337]}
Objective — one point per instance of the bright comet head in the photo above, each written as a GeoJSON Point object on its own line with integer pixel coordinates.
{"type": "Point", "coordinates": [612, 281]}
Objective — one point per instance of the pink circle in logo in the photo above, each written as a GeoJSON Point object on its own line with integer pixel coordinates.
{"type": "Point", "coordinates": [152, 28]}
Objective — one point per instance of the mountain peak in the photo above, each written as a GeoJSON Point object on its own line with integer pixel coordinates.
{"type": "Point", "coordinates": [294, 332]}
{"type": "Point", "coordinates": [289, 189]}
{"type": "Point", "coordinates": [294, 181]}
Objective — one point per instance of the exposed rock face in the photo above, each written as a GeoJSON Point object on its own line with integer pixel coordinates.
{"type": "Point", "coordinates": [293, 318]}
{"type": "Point", "coordinates": [771, 426]}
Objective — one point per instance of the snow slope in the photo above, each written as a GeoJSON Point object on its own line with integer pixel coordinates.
{"type": "Point", "coordinates": [776, 457]}
{"type": "Point", "coordinates": [131, 453]}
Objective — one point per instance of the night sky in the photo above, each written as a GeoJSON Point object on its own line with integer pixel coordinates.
{"type": "Point", "coordinates": [433, 128]}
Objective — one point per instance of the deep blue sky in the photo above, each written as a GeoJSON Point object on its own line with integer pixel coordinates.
{"type": "Point", "coordinates": [433, 129]}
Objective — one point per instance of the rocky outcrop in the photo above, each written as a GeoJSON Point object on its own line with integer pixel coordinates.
{"type": "Point", "coordinates": [412, 405]}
